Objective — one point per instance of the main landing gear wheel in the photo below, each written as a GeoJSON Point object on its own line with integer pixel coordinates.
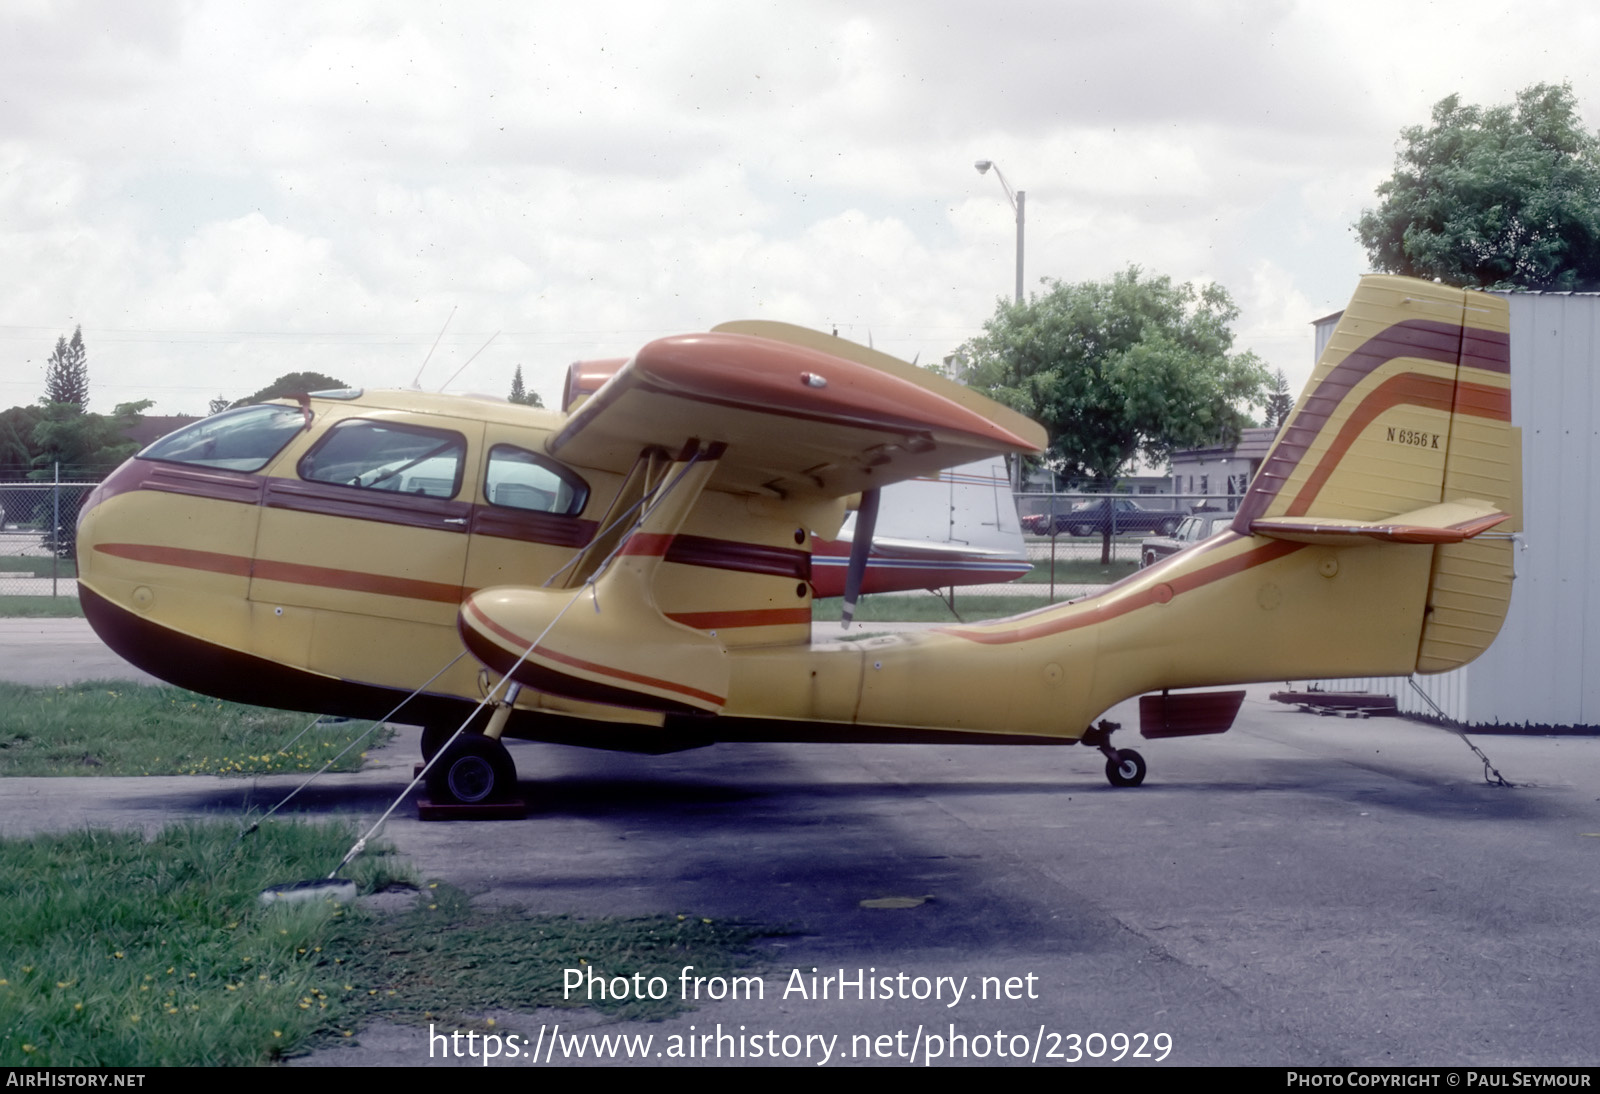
{"type": "Point", "coordinates": [474, 770]}
{"type": "Point", "coordinates": [433, 739]}
{"type": "Point", "coordinates": [1126, 768]}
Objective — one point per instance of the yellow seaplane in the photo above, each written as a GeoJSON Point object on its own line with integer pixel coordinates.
{"type": "Point", "coordinates": [637, 572]}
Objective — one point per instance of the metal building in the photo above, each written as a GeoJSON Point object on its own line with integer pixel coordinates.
{"type": "Point", "coordinates": [1544, 668]}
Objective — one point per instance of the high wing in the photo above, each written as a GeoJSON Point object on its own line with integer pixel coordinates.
{"type": "Point", "coordinates": [798, 413]}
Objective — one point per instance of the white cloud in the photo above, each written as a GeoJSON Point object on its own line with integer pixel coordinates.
{"type": "Point", "coordinates": [225, 192]}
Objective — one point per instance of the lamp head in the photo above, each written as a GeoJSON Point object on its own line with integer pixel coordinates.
{"type": "Point", "coordinates": [983, 166]}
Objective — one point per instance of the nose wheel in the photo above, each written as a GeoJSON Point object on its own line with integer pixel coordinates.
{"type": "Point", "coordinates": [1124, 767]}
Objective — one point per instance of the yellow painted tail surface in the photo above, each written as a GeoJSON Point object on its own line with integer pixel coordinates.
{"type": "Point", "coordinates": [1410, 407]}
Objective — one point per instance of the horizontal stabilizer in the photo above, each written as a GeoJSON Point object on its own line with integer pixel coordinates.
{"type": "Point", "coordinates": [1450, 522]}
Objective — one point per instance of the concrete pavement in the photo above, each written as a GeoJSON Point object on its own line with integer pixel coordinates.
{"type": "Point", "coordinates": [1300, 890]}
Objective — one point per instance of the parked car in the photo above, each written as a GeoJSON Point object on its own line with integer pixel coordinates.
{"type": "Point", "coordinates": [1195, 527]}
{"type": "Point", "coordinates": [1036, 524]}
{"type": "Point", "coordinates": [1093, 516]}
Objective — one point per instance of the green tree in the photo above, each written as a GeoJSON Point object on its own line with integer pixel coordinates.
{"type": "Point", "coordinates": [520, 394]}
{"type": "Point", "coordinates": [1116, 369]}
{"type": "Point", "coordinates": [1279, 401]}
{"type": "Point", "coordinates": [16, 440]}
{"type": "Point", "coordinates": [292, 383]}
{"type": "Point", "coordinates": [85, 445]}
{"type": "Point", "coordinates": [66, 378]}
{"type": "Point", "coordinates": [1505, 196]}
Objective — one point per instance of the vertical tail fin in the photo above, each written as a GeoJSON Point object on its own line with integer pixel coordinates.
{"type": "Point", "coordinates": [1409, 407]}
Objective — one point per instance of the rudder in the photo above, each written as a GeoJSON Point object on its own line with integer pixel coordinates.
{"type": "Point", "coordinates": [1409, 407]}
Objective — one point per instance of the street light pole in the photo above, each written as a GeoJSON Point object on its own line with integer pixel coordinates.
{"type": "Point", "coordinates": [1019, 202]}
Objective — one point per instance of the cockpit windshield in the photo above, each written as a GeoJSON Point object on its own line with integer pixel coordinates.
{"type": "Point", "coordinates": [235, 440]}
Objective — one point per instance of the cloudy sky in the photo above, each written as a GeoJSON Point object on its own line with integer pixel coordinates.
{"type": "Point", "coordinates": [220, 193]}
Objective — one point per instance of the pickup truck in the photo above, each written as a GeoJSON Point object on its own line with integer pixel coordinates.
{"type": "Point", "coordinates": [1196, 527]}
{"type": "Point", "coordinates": [1092, 516]}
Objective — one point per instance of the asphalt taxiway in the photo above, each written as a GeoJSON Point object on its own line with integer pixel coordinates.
{"type": "Point", "coordinates": [1300, 890]}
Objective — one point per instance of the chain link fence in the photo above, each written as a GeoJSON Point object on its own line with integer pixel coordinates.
{"type": "Point", "coordinates": [38, 528]}
{"type": "Point", "coordinates": [38, 521]}
{"type": "Point", "coordinates": [1071, 527]}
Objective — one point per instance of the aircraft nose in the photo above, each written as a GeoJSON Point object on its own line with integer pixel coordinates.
{"type": "Point", "coordinates": [120, 481]}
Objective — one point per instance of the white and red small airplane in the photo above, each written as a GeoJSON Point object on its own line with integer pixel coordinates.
{"type": "Point", "coordinates": [641, 565]}
{"type": "Point", "coordinates": [957, 527]}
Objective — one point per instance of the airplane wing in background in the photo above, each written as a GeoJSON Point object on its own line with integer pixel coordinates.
{"type": "Point", "coordinates": [958, 527]}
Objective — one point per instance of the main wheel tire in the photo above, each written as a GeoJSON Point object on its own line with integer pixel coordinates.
{"type": "Point", "coordinates": [474, 770]}
{"type": "Point", "coordinates": [1127, 769]}
{"type": "Point", "coordinates": [433, 739]}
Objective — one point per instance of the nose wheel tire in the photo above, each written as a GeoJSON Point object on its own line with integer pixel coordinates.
{"type": "Point", "coordinates": [1127, 768]}
{"type": "Point", "coordinates": [475, 769]}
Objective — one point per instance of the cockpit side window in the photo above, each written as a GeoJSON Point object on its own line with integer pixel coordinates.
{"type": "Point", "coordinates": [519, 479]}
{"type": "Point", "coordinates": [385, 456]}
{"type": "Point", "coordinates": [235, 440]}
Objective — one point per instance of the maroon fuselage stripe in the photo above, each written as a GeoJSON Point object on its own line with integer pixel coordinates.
{"type": "Point", "coordinates": [546, 654]}
{"type": "Point", "coordinates": [347, 502]}
{"type": "Point", "coordinates": [750, 558]}
{"type": "Point", "coordinates": [756, 617]}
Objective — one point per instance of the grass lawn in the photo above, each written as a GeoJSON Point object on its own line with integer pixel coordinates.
{"type": "Point", "coordinates": [120, 728]}
{"type": "Point", "coordinates": [122, 952]}
{"type": "Point", "coordinates": [36, 566]}
{"type": "Point", "coordinates": [40, 607]}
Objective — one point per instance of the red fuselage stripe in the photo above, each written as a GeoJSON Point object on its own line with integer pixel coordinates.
{"type": "Point", "coordinates": [288, 572]}
{"type": "Point", "coordinates": [1158, 593]}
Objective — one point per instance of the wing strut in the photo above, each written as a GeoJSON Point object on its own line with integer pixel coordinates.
{"type": "Point", "coordinates": [860, 548]}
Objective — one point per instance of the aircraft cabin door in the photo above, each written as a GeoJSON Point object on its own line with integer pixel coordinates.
{"type": "Point", "coordinates": [370, 530]}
